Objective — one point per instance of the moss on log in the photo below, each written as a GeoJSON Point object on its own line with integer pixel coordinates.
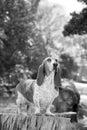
{"type": "Point", "coordinates": [33, 122]}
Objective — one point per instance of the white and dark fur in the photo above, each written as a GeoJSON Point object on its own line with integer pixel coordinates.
{"type": "Point", "coordinates": [42, 91]}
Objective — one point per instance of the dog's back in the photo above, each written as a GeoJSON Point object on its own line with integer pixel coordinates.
{"type": "Point", "coordinates": [25, 90]}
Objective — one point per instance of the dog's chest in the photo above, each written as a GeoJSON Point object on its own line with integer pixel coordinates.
{"type": "Point", "coordinates": [48, 85]}
{"type": "Point", "coordinates": [48, 82]}
{"type": "Point", "coordinates": [46, 91]}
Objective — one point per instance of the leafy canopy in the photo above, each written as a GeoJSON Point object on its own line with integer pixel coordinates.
{"type": "Point", "coordinates": [78, 22]}
{"type": "Point", "coordinates": [18, 33]}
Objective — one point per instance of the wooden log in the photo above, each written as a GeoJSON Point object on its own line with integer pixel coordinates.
{"type": "Point", "coordinates": [35, 122]}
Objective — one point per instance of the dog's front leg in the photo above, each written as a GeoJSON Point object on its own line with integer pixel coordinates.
{"type": "Point", "coordinates": [36, 103]}
{"type": "Point", "coordinates": [37, 107]}
{"type": "Point", "coordinates": [36, 99]}
{"type": "Point", "coordinates": [19, 108]}
{"type": "Point", "coordinates": [19, 102]}
{"type": "Point", "coordinates": [48, 112]}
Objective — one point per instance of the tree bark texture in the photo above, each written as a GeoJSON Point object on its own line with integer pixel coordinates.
{"type": "Point", "coordinates": [35, 122]}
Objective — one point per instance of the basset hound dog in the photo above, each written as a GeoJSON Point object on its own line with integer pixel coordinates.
{"type": "Point", "coordinates": [42, 91]}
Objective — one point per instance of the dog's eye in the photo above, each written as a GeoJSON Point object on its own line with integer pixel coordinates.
{"type": "Point", "coordinates": [49, 60]}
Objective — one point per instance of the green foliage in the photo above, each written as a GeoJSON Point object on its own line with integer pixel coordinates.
{"type": "Point", "coordinates": [13, 22]}
{"type": "Point", "coordinates": [84, 1]}
{"type": "Point", "coordinates": [78, 23]}
{"type": "Point", "coordinates": [20, 41]}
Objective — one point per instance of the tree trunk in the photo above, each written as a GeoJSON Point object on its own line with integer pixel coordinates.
{"type": "Point", "coordinates": [33, 122]}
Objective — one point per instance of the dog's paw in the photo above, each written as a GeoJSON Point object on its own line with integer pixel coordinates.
{"type": "Point", "coordinates": [25, 113]}
{"type": "Point", "coordinates": [49, 114]}
{"type": "Point", "coordinates": [37, 113]}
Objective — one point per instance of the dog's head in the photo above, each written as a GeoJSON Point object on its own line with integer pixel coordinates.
{"type": "Point", "coordinates": [47, 66]}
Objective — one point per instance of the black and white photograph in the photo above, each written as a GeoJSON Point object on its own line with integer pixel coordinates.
{"type": "Point", "coordinates": [43, 64]}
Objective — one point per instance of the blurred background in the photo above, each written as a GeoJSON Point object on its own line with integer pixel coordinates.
{"type": "Point", "coordinates": [31, 30]}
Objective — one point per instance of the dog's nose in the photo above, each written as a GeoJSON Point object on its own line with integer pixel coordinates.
{"type": "Point", "coordinates": [56, 60]}
{"type": "Point", "coordinates": [55, 65]}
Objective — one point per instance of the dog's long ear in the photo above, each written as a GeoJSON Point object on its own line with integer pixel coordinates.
{"type": "Point", "coordinates": [41, 74]}
{"type": "Point", "coordinates": [57, 78]}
